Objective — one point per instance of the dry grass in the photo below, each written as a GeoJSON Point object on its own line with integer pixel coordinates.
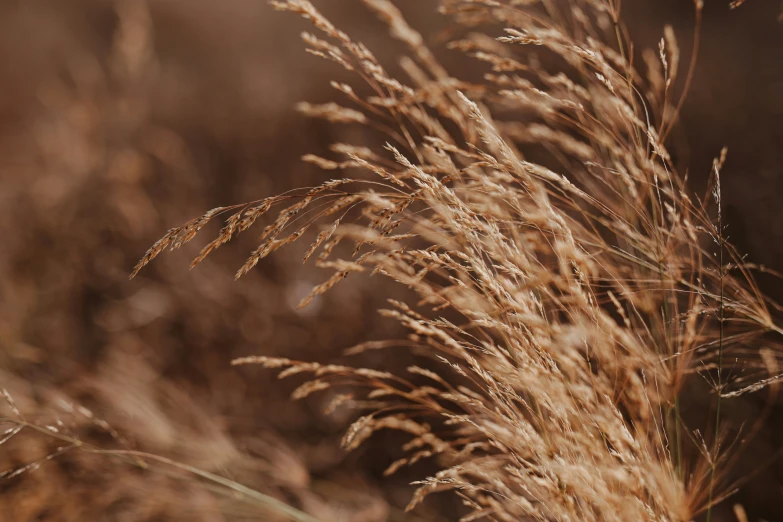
{"type": "Point", "coordinates": [565, 294]}
{"type": "Point", "coordinates": [567, 284]}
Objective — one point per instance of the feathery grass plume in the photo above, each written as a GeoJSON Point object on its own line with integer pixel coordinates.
{"type": "Point", "coordinates": [567, 282]}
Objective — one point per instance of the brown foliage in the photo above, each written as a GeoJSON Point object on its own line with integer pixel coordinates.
{"type": "Point", "coordinates": [561, 288]}
{"type": "Point", "coordinates": [585, 288]}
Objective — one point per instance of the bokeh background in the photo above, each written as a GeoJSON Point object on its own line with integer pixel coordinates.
{"type": "Point", "coordinates": [120, 119]}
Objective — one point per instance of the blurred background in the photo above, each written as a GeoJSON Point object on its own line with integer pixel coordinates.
{"type": "Point", "coordinates": [120, 119]}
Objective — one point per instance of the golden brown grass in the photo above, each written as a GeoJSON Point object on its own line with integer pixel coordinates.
{"type": "Point", "coordinates": [567, 284]}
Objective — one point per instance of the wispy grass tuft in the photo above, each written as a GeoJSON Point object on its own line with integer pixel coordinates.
{"type": "Point", "coordinates": [567, 285]}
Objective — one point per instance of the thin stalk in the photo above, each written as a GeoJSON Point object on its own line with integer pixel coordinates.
{"type": "Point", "coordinates": [719, 383]}
{"type": "Point", "coordinates": [667, 128]}
{"type": "Point", "coordinates": [137, 458]}
{"type": "Point", "coordinates": [678, 433]}
{"type": "Point", "coordinates": [664, 333]}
